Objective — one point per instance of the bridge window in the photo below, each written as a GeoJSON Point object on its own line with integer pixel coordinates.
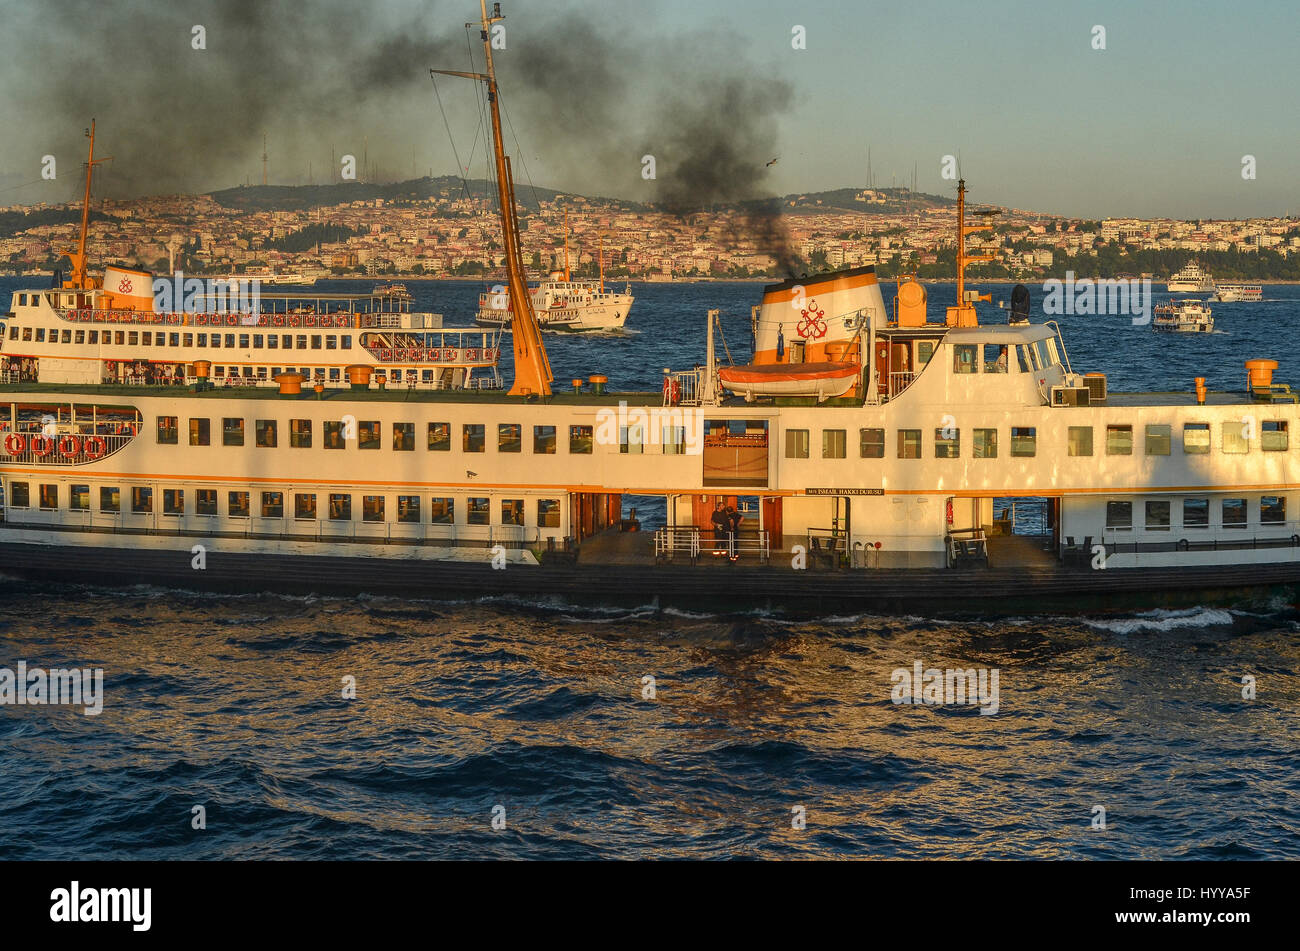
{"type": "Point", "coordinates": [110, 497]}
{"type": "Point", "coordinates": [580, 440]}
{"type": "Point", "coordinates": [1079, 441]}
{"type": "Point", "coordinates": [1119, 515]}
{"type": "Point", "coordinates": [1119, 440]}
{"type": "Point", "coordinates": [475, 438]}
{"type": "Point", "coordinates": [237, 505]}
{"type": "Point", "coordinates": [1196, 438]}
{"type": "Point", "coordinates": [834, 443]}
{"type": "Point", "coordinates": [479, 512]}
{"type": "Point", "coordinates": [947, 442]}
{"type": "Point", "coordinates": [985, 444]}
{"type": "Point", "coordinates": [408, 508]}
{"type": "Point", "coordinates": [404, 437]}
{"type": "Point", "coordinates": [173, 501]}
{"type": "Point", "coordinates": [168, 430]}
{"type": "Point", "coordinates": [304, 506]}
{"type": "Point", "coordinates": [871, 443]}
{"type": "Point", "coordinates": [1024, 441]}
{"type": "Point", "coordinates": [548, 513]}
{"type": "Point", "coordinates": [442, 511]}
{"type": "Point", "coordinates": [205, 501]}
{"type": "Point", "coordinates": [1273, 436]}
{"type": "Point", "coordinates": [340, 507]}
{"type": "Point", "coordinates": [141, 499]}
{"type": "Point", "coordinates": [963, 358]}
{"type": "Point", "coordinates": [372, 508]}
{"type": "Point", "coordinates": [995, 358]}
{"type": "Point", "coordinates": [266, 434]}
{"type": "Point", "coordinates": [1157, 516]}
{"type": "Point", "coordinates": [79, 498]}
{"type": "Point", "coordinates": [1196, 513]}
{"type": "Point", "coordinates": [439, 437]}
{"type": "Point", "coordinates": [909, 444]}
{"type": "Point", "coordinates": [200, 432]}
{"type": "Point", "coordinates": [1272, 509]}
{"type": "Point", "coordinates": [232, 431]}
{"type": "Point", "coordinates": [1159, 438]}
{"type": "Point", "coordinates": [510, 437]}
{"type": "Point", "coordinates": [300, 433]}
{"type": "Point", "coordinates": [796, 444]}
{"type": "Point", "coordinates": [1234, 436]}
{"type": "Point", "coordinates": [272, 505]}
{"type": "Point", "coordinates": [1234, 513]}
{"type": "Point", "coordinates": [512, 511]}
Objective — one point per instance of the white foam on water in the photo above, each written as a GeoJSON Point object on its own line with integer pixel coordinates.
{"type": "Point", "coordinates": [1163, 620]}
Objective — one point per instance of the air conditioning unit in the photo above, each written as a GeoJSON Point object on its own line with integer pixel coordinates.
{"type": "Point", "coordinates": [1071, 396]}
{"type": "Point", "coordinates": [1096, 383]}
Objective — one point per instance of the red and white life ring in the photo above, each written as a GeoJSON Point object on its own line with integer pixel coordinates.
{"type": "Point", "coordinates": [69, 446]}
{"type": "Point", "coordinates": [42, 445]}
{"type": "Point", "coordinates": [15, 444]}
{"type": "Point", "coordinates": [95, 446]}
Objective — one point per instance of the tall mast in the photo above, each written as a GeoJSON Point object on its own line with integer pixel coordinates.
{"type": "Point", "coordinates": [963, 315]}
{"type": "Point", "coordinates": [78, 277]}
{"type": "Point", "coordinates": [566, 244]}
{"type": "Point", "coordinates": [600, 258]}
{"type": "Point", "coordinates": [533, 374]}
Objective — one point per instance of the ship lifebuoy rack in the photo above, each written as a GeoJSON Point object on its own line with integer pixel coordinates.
{"type": "Point", "coordinates": [69, 446]}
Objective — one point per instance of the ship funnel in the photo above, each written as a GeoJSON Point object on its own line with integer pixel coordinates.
{"type": "Point", "coordinates": [129, 289]}
{"type": "Point", "coordinates": [817, 318]}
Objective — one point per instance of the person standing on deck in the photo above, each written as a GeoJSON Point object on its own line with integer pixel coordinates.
{"type": "Point", "coordinates": [721, 525]}
{"type": "Point", "coordinates": [734, 519]}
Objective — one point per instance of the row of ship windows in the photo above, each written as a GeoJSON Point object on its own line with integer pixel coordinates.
{"type": "Point", "coordinates": [1196, 513]}
{"type": "Point", "coordinates": [369, 434]}
{"type": "Point", "coordinates": [1119, 440]}
{"type": "Point", "coordinates": [161, 338]}
{"type": "Point", "coordinates": [337, 506]}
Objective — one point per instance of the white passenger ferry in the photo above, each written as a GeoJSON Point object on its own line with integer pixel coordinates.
{"type": "Point", "coordinates": [1238, 292]}
{"type": "Point", "coordinates": [954, 467]}
{"type": "Point", "coordinates": [1191, 315]}
{"type": "Point", "coordinates": [1190, 278]}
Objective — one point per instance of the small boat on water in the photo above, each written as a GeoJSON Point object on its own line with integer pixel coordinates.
{"type": "Point", "coordinates": [1183, 316]}
{"type": "Point", "coordinates": [1238, 292]}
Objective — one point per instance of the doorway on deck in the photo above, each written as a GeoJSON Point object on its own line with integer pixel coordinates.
{"type": "Point", "coordinates": [1024, 531]}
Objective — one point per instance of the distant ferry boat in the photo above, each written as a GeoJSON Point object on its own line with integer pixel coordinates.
{"type": "Point", "coordinates": [1183, 316]}
{"type": "Point", "coordinates": [1191, 278]}
{"type": "Point", "coordinates": [1238, 292]}
{"type": "Point", "coordinates": [561, 304]}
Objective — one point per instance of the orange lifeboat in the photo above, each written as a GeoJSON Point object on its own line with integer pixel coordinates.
{"type": "Point", "coordinates": [821, 380]}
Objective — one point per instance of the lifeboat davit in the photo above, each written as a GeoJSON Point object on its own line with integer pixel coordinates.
{"type": "Point", "coordinates": [821, 380]}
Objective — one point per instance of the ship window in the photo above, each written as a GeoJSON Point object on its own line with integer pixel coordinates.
{"type": "Point", "coordinates": [1272, 509]}
{"type": "Point", "coordinates": [544, 440]}
{"type": "Point", "coordinates": [272, 342]}
{"type": "Point", "coordinates": [333, 435]}
{"type": "Point", "coordinates": [871, 443]}
{"type": "Point", "coordinates": [94, 337]}
{"type": "Point", "coordinates": [257, 341]}
{"type": "Point", "coordinates": [230, 340]}
{"type": "Point", "coordinates": [548, 513]}
{"type": "Point", "coordinates": [1079, 441]}
{"type": "Point", "coordinates": [118, 337]}
{"type": "Point", "coordinates": [408, 508]}
{"type": "Point", "coordinates": [1119, 515]}
{"type": "Point", "coordinates": [146, 339]}
{"type": "Point", "coordinates": [110, 498]}
{"type": "Point", "coordinates": [963, 358]}
{"type": "Point", "coordinates": [985, 444]}
{"type": "Point", "coordinates": [1234, 436]}
{"type": "Point", "coordinates": [1022, 357]}
{"type": "Point", "coordinates": [200, 432]}
{"type": "Point", "coordinates": [272, 505]}
{"type": "Point", "coordinates": [368, 436]}
{"type": "Point", "coordinates": [346, 341]}
{"type": "Point", "coordinates": [173, 341]}
{"type": "Point", "coordinates": [54, 336]}
{"type": "Point", "coordinates": [27, 334]}
{"type": "Point", "coordinates": [510, 437]}
{"type": "Point", "coordinates": [40, 335]}
{"type": "Point", "coordinates": [67, 336]}
{"type": "Point", "coordinates": [300, 433]}
{"type": "Point", "coordinates": [49, 495]}
{"type": "Point", "coordinates": [947, 442]}
{"type": "Point", "coordinates": [372, 508]}
{"type": "Point", "coordinates": [80, 337]}
{"type": "Point", "coordinates": [334, 374]}
{"type": "Point", "coordinates": [404, 437]}
{"type": "Point", "coordinates": [232, 431]}
{"type": "Point", "coordinates": [1044, 354]}
{"type": "Point", "coordinates": [132, 338]}
{"type": "Point", "coordinates": [202, 340]}
{"type": "Point", "coordinates": [79, 498]}
{"type": "Point", "coordinates": [1196, 438]}
{"type": "Point", "coordinates": [189, 339]}
{"type": "Point", "coordinates": [442, 511]}
{"type": "Point", "coordinates": [474, 438]}
{"type": "Point", "coordinates": [205, 501]}
{"type": "Point", "coordinates": [340, 507]}
{"type": "Point", "coordinates": [834, 443]}
{"type": "Point", "coordinates": [304, 505]}
{"type": "Point", "coordinates": [215, 341]}
{"type": "Point", "coordinates": [1273, 436]}
{"type": "Point", "coordinates": [1159, 437]}
{"type": "Point", "coordinates": [1234, 513]}
{"type": "Point", "coordinates": [173, 501]}
{"type": "Point", "coordinates": [479, 512]}
{"type": "Point", "coordinates": [440, 437]}
{"type": "Point", "coordinates": [315, 341]}
{"type": "Point", "coordinates": [909, 444]}
{"type": "Point", "coordinates": [673, 439]}
{"type": "Point", "coordinates": [13, 332]}
{"type": "Point", "coordinates": [1157, 516]}
{"type": "Point", "coordinates": [580, 440]}
{"type": "Point", "coordinates": [1024, 440]}
{"type": "Point", "coordinates": [512, 511]}
{"type": "Point", "coordinates": [631, 439]}
{"type": "Point", "coordinates": [924, 352]}
{"type": "Point", "coordinates": [796, 444]}
{"type": "Point", "coordinates": [1119, 440]}
{"type": "Point", "coordinates": [141, 498]}
{"type": "Point", "coordinates": [331, 342]}
{"type": "Point", "coordinates": [301, 342]}
{"type": "Point", "coordinates": [22, 300]}
{"type": "Point", "coordinates": [995, 358]}
{"type": "Point", "coordinates": [168, 430]}
{"type": "Point", "coordinates": [1196, 513]}
{"type": "Point", "coordinates": [286, 341]}
{"type": "Point", "coordinates": [266, 435]}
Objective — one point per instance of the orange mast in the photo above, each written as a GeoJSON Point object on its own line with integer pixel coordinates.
{"type": "Point", "coordinates": [566, 245]}
{"type": "Point", "coordinates": [533, 374]}
{"type": "Point", "coordinates": [78, 277]}
{"type": "Point", "coordinates": [963, 315]}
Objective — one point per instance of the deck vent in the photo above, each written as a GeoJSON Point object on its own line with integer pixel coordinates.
{"type": "Point", "coordinates": [1096, 384]}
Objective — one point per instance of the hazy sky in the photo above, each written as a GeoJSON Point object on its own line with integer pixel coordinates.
{"type": "Point", "coordinates": [1157, 123]}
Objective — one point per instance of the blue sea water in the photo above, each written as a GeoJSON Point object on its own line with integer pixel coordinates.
{"type": "Point", "coordinates": [234, 702]}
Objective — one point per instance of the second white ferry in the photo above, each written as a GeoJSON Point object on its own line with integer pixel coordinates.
{"type": "Point", "coordinates": [1190, 278]}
